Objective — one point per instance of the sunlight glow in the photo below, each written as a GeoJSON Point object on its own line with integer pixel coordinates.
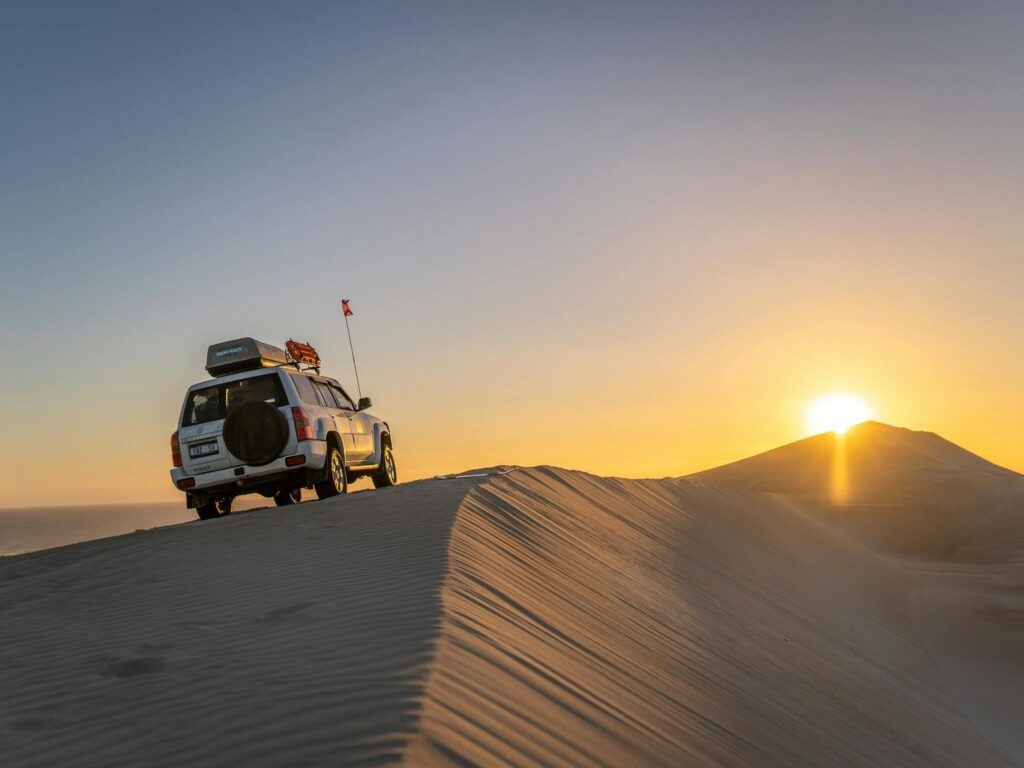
{"type": "Point", "coordinates": [837, 413]}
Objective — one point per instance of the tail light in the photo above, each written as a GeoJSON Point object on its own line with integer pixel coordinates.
{"type": "Point", "coordinates": [303, 430]}
{"type": "Point", "coordinates": [175, 450]}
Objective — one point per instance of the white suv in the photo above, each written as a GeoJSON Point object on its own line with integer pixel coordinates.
{"type": "Point", "coordinates": [267, 425]}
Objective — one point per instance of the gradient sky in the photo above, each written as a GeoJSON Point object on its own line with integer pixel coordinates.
{"type": "Point", "coordinates": [635, 239]}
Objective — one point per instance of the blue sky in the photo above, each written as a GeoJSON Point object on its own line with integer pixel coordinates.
{"type": "Point", "coordinates": [708, 210]}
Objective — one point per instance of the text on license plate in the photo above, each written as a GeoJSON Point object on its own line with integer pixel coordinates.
{"type": "Point", "coordinates": [200, 450]}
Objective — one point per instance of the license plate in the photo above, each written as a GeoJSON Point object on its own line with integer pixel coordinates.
{"type": "Point", "coordinates": [202, 450]}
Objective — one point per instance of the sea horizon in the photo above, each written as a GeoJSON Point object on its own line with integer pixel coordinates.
{"type": "Point", "coordinates": [32, 529]}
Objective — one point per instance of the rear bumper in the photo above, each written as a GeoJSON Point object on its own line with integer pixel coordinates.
{"type": "Point", "coordinates": [245, 478]}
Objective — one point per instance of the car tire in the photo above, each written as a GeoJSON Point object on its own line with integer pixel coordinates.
{"type": "Point", "coordinates": [213, 508]}
{"type": "Point", "coordinates": [336, 480]}
{"type": "Point", "coordinates": [287, 497]}
{"type": "Point", "coordinates": [386, 474]}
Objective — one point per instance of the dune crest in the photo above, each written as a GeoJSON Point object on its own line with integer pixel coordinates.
{"type": "Point", "coordinates": [594, 621]}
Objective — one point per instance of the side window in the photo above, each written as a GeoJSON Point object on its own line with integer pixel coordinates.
{"type": "Point", "coordinates": [306, 391]}
{"type": "Point", "coordinates": [323, 395]}
{"type": "Point", "coordinates": [342, 398]}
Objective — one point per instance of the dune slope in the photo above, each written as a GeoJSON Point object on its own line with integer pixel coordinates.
{"type": "Point", "coordinates": [610, 622]}
{"type": "Point", "coordinates": [543, 617]}
{"type": "Point", "coordinates": [299, 635]}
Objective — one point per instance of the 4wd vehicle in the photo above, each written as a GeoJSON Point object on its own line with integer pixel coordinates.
{"type": "Point", "coordinates": [266, 424]}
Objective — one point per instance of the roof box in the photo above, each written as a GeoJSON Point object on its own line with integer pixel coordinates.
{"type": "Point", "coordinates": [244, 354]}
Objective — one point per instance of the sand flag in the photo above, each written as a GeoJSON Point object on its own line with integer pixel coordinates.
{"type": "Point", "coordinates": [347, 311]}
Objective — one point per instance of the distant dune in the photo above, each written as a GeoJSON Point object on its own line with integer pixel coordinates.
{"type": "Point", "coordinates": [543, 617]}
{"type": "Point", "coordinates": [906, 492]}
{"type": "Point", "coordinates": [949, 517]}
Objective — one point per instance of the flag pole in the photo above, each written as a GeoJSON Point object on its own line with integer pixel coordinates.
{"type": "Point", "coordinates": [352, 349]}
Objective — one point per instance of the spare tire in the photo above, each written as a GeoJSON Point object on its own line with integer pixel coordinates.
{"type": "Point", "coordinates": [256, 432]}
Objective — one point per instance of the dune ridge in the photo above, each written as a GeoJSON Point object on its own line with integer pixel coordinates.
{"type": "Point", "coordinates": [544, 617]}
{"type": "Point", "coordinates": [595, 621]}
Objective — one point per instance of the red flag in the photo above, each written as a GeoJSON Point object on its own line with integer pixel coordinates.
{"type": "Point", "coordinates": [345, 308]}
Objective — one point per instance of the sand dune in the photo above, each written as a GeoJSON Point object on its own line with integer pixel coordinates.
{"type": "Point", "coordinates": [297, 636]}
{"type": "Point", "coordinates": [902, 492]}
{"type": "Point", "coordinates": [609, 622]}
{"type": "Point", "coordinates": [544, 617]}
{"type": "Point", "coordinates": [972, 616]}
{"type": "Point", "coordinates": [952, 520]}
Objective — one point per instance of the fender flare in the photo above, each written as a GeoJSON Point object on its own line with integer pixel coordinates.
{"type": "Point", "coordinates": [380, 428]}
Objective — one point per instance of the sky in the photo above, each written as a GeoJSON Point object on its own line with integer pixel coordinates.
{"type": "Point", "coordinates": [636, 239]}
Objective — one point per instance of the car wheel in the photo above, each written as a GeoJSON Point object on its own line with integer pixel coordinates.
{"type": "Point", "coordinates": [214, 508]}
{"type": "Point", "coordinates": [386, 473]}
{"type": "Point", "coordinates": [284, 498]}
{"type": "Point", "coordinates": [336, 481]}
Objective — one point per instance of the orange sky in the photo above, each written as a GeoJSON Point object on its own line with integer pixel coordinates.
{"type": "Point", "coordinates": [634, 241]}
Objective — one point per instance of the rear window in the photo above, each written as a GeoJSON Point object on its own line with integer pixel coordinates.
{"type": "Point", "coordinates": [204, 405]}
{"type": "Point", "coordinates": [217, 401]}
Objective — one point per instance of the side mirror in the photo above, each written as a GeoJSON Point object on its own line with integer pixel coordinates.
{"type": "Point", "coordinates": [364, 403]}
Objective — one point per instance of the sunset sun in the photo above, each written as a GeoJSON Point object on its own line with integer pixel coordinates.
{"type": "Point", "coordinates": [837, 413]}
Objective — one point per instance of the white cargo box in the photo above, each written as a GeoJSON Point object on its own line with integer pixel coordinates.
{"type": "Point", "coordinates": [243, 354]}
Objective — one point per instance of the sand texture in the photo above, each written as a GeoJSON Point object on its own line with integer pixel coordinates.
{"type": "Point", "coordinates": [544, 617]}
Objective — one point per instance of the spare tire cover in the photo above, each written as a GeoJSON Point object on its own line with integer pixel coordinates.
{"type": "Point", "coordinates": [256, 432]}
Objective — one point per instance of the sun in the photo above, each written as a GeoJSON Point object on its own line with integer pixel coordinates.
{"type": "Point", "coordinates": [837, 413]}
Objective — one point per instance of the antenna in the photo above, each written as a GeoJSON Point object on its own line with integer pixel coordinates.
{"type": "Point", "coordinates": [347, 312]}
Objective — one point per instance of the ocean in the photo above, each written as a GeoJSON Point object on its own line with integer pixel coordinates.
{"type": "Point", "coordinates": [34, 528]}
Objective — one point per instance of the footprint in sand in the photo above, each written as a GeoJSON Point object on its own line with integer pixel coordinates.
{"type": "Point", "coordinates": [134, 666]}
{"type": "Point", "coordinates": [284, 613]}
